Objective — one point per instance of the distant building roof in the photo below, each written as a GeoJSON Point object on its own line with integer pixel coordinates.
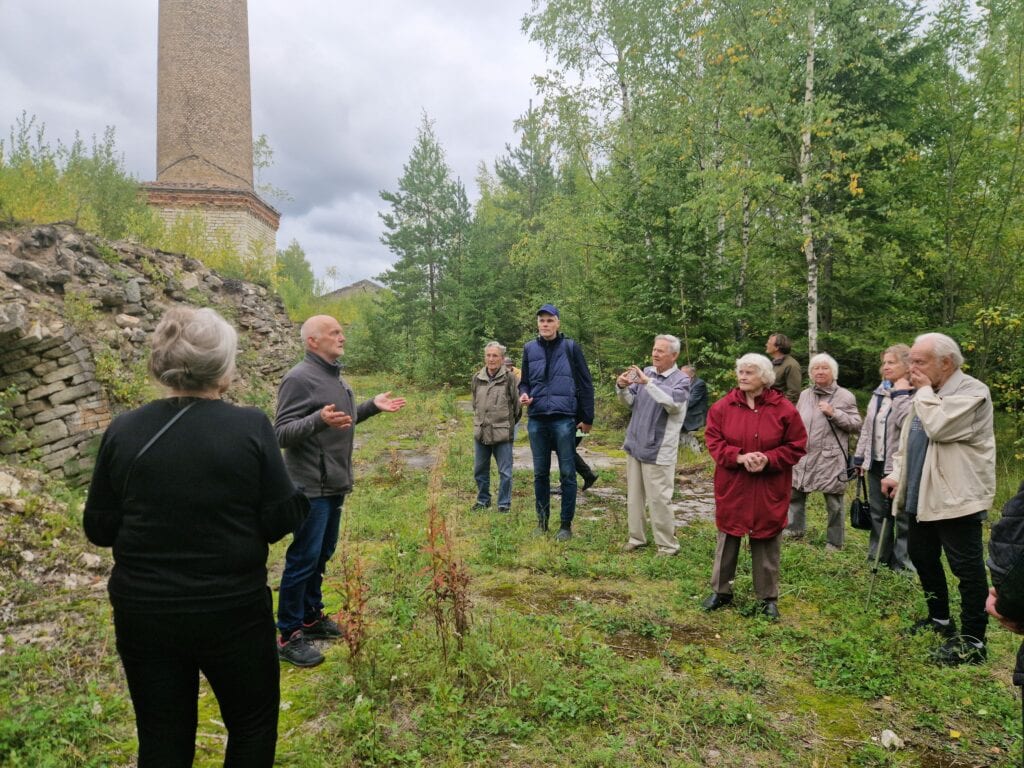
{"type": "Point", "coordinates": [359, 287]}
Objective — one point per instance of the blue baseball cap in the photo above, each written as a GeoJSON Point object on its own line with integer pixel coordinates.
{"type": "Point", "coordinates": [549, 309]}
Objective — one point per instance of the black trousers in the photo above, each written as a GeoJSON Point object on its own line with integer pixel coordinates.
{"type": "Point", "coordinates": [960, 540]}
{"type": "Point", "coordinates": [236, 650]}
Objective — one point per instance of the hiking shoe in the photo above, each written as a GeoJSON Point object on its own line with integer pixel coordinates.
{"type": "Point", "coordinates": [478, 507]}
{"type": "Point", "coordinates": [504, 510]}
{"type": "Point", "coordinates": [943, 630]}
{"type": "Point", "coordinates": [298, 651]}
{"type": "Point", "coordinates": [564, 534]}
{"type": "Point", "coordinates": [322, 628]}
{"type": "Point", "coordinates": [960, 649]}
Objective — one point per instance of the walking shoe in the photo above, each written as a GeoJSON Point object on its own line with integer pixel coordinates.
{"type": "Point", "coordinates": [504, 510]}
{"type": "Point", "coordinates": [944, 630]}
{"type": "Point", "coordinates": [788, 533]}
{"type": "Point", "coordinates": [298, 651]}
{"type": "Point", "coordinates": [716, 600]}
{"type": "Point", "coordinates": [564, 534]}
{"type": "Point", "coordinates": [960, 649]}
{"type": "Point", "coordinates": [589, 480]}
{"type": "Point", "coordinates": [478, 507]}
{"type": "Point", "coordinates": [770, 609]}
{"type": "Point", "coordinates": [630, 546]}
{"type": "Point", "coordinates": [322, 628]}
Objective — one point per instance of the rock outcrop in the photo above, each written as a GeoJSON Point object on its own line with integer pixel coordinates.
{"type": "Point", "coordinates": [75, 315]}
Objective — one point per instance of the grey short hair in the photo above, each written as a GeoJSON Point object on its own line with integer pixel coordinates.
{"type": "Point", "coordinates": [673, 343]}
{"type": "Point", "coordinates": [942, 346]}
{"type": "Point", "coordinates": [830, 361]}
{"type": "Point", "coordinates": [497, 345]}
{"type": "Point", "coordinates": [689, 370]}
{"type": "Point", "coordinates": [761, 364]}
{"type": "Point", "coordinates": [193, 349]}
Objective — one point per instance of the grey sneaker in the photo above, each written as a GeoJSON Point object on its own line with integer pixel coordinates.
{"type": "Point", "coordinates": [564, 534]}
{"type": "Point", "coordinates": [298, 651]}
{"type": "Point", "coordinates": [947, 630]}
{"type": "Point", "coordinates": [322, 628]}
{"type": "Point", "coordinates": [960, 649]}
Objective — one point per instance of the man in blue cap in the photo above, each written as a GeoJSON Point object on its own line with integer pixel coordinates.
{"type": "Point", "coordinates": [559, 393]}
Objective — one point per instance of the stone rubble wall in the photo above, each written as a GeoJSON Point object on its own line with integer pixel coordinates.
{"type": "Point", "coordinates": [67, 297]}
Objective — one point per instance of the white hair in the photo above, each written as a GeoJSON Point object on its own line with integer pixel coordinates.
{"type": "Point", "coordinates": [674, 344]}
{"type": "Point", "coordinates": [496, 345]}
{"type": "Point", "coordinates": [761, 364]}
{"type": "Point", "coordinates": [828, 360]}
{"type": "Point", "coordinates": [193, 349]}
{"type": "Point", "coordinates": [942, 347]}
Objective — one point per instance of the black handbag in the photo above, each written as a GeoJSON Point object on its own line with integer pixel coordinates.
{"type": "Point", "coordinates": [860, 509]}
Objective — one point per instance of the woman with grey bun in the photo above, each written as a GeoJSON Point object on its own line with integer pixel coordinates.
{"type": "Point", "coordinates": [189, 490]}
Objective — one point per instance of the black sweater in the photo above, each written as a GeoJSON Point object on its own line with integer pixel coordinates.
{"type": "Point", "coordinates": [190, 530]}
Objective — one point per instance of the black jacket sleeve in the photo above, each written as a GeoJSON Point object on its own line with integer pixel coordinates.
{"type": "Point", "coordinates": [1006, 558]}
{"type": "Point", "coordinates": [102, 516]}
{"type": "Point", "coordinates": [585, 383]}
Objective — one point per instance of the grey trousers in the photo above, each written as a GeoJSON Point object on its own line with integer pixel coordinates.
{"type": "Point", "coordinates": [764, 556]}
{"type": "Point", "coordinates": [836, 521]}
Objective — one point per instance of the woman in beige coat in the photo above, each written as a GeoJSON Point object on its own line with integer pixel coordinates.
{"type": "Point", "coordinates": [829, 413]}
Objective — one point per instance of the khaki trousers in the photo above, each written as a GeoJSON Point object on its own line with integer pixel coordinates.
{"type": "Point", "coordinates": [764, 555]}
{"type": "Point", "coordinates": [650, 486]}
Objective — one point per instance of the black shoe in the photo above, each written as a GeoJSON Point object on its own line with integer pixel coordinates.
{"type": "Point", "coordinates": [323, 628]}
{"type": "Point", "coordinates": [960, 649]}
{"type": "Point", "coordinates": [478, 507]}
{"type": "Point", "coordinates": [943, 630]}
{"type": "Point", "coordinates": [770, 609]}
{"type": "Point", "coordinates": [298, 651]}
{"type": "Point", "coordinates": [564, 534]}
{"type": "Point", "coordinates": [716, 600]}
{"type": "Point", "coordinates": [589, 480]}
{"type": "Point", "coordinates": [504, 510]}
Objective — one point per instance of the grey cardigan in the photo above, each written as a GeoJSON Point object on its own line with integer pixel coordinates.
{"type": "Point", "coordinates": [318, 458]}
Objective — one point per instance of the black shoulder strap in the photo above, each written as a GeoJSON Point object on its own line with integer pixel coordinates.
{"type": "Point", "coordinates": [146, 447]}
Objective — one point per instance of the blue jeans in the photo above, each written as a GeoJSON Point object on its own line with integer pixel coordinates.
{"type": "Point", "coordinates": [502, 453]}
{"type": "Point", "coordinates": [558, 435]}
{"type": "Point", "coordinates": [299, 598]}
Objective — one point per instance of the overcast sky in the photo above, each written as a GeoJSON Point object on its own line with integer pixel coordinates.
{"type": "Point", "coordinates": [338, 88]}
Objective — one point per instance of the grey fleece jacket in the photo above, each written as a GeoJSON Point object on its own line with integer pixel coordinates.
{"type": "Point", "coordinates": [318, 458]}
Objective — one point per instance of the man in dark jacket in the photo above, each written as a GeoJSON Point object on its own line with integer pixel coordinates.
{"type": "Point", "coordinates": [696, 409]}
{"type": "Point", "coordinates": [316, 413]}
{"type": "Point", "coordinates": [558, 391]}
{"type": "Point", "coordinates": [1006, 563]}
{"type": "Point", "coordinates": [788, 380]}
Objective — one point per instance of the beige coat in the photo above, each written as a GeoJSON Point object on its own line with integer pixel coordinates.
{"type": "Point", "coordinates": [825, 461]}
{"type": "Point", "coordinates": [496, 407]}
{"type": "Point", "coordinates": [959, 473]}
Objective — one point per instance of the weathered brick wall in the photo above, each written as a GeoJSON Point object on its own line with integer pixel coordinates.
{"type": "Point", "coordinates": [58, 404]}
{"type": "Point", "coordinates": [49, 344]}
{"type": "Point", "coordinates": [204, 111]}
{"type": "Point", "coordinates": [246, 230]}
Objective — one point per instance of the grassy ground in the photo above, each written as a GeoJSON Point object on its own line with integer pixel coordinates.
{"type": "Point", "coordinates": [577, 654]}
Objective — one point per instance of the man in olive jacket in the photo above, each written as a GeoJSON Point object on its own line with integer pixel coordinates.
{"type": "Point", "coordinates": [496, 411]}
{"type": "Point", "coordinates": [944, 479]}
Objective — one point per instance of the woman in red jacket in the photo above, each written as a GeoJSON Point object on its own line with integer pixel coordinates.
{"type": "Point", "coordinates": [755, 436]}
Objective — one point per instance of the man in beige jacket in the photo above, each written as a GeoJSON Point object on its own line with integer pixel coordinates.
{"type": "Point", "coordinates": [943, 479]}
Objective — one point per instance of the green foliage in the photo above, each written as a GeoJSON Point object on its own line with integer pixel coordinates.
{"type": "Point", "coordinates": [79, 310]}
{"type": "Point", "coordinates": [70, 183]}
{"type": "Point", "coordinates": [126, 384]}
